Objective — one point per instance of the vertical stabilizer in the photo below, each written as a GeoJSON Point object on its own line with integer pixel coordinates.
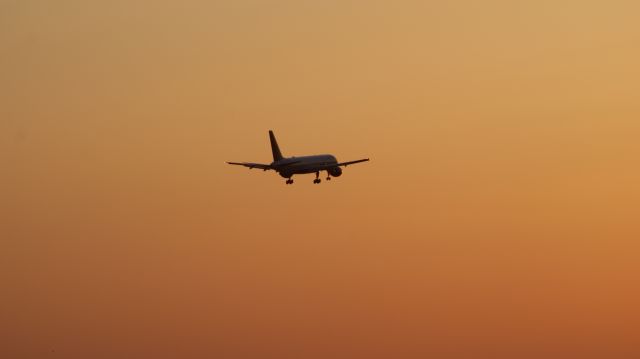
{"type": "Point", "coordinates": [277, 155]}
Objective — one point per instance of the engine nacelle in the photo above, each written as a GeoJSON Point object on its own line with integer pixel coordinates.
{"type": "Point", "coordinates": [285, 174]}
{"type": "Point", "coordinates": [335, 171]}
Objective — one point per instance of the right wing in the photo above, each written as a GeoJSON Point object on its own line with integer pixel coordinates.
{"type": "Point", "coordinates": [323, 167]}
{"type": "Point", "coordinates": [352, 162]}
{"type": "Point", "coordinates": [252, 165]}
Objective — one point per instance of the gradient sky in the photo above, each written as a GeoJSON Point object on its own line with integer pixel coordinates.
{"type": "Point", "coordinates": [498, 217]}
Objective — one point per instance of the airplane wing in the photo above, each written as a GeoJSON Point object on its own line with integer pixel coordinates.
{"type": "Point", "coordinates": [352, 162]}
{"type": "Point", "coordinates": [252, 165]}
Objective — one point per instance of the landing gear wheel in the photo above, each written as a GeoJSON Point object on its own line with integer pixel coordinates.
{"type": "Point", "coordinates": [289, 181]}
{"type": "Point", "coordinates": [328, 178]}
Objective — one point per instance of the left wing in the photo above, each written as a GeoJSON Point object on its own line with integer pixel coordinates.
{"type": "Point", "coordinates": [252, 165]}
{"type": "Point", "coordinates": [352, 162]}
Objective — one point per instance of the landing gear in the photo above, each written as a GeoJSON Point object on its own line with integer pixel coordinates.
{"type": "Point", "coordinates": [328, 178]}
{"type": "Point", "coordinates": [317, 180]}
{"type": "Point", "coordinates": [289, 181]}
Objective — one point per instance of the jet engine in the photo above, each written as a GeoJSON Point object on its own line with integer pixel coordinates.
{"type": "Point", "coordinates": [285, 174]}
{"type": "Point", "coordinates": [335, 171]}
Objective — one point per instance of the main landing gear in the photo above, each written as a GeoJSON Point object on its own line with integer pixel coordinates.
{"type": "Point", "coordinates": [315, 181]}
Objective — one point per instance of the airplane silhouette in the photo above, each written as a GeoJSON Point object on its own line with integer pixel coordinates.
{"type": "Point", "coordinates": [289, 166]}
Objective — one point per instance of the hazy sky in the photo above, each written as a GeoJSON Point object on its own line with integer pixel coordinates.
{"type": "Point", "coordinates": [498, 217]}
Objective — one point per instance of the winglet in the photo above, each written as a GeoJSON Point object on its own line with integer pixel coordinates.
{"type": "Point", "coordinates": [275, 149]}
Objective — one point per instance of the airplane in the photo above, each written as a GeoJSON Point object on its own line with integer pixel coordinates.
{"type": "Point", "coordinates": [289, 166]}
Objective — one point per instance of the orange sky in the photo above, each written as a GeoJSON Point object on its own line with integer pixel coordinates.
{"type": "Point", "coordinates": [497, 218]}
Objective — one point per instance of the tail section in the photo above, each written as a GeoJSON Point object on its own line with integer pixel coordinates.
{"type": "Point", "coordinates": [277, 155]}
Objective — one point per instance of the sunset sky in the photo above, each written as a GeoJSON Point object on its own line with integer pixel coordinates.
{"type": "Point", "coordinates": [498, 217]}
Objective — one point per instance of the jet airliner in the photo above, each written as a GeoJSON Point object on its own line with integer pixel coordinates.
{"type": "Point", "coordinates": [289, 166]}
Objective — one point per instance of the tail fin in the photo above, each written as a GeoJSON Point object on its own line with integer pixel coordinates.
{"type": "Point", "coordinates": [277, 155]}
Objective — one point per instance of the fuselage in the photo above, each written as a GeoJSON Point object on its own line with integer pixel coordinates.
{"type": "Point", "coordinates": [289, 166]}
